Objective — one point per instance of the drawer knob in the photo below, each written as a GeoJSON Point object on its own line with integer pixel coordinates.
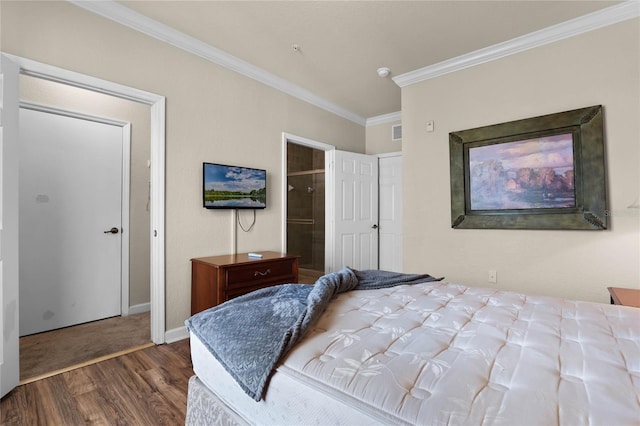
{"type": "Point", "coordinates": [258, 273]}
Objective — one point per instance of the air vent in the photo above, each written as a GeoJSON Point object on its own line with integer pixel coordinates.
{"type": "Point", "coordinates": [396, 132]}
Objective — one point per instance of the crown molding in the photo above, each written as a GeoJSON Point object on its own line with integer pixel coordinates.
{"type": "Point", "coordinates": [122, 15]}
{"type": "Point", "coordinates": [385, 118]}
{"type": "Point", "coordinates": [629, 9]}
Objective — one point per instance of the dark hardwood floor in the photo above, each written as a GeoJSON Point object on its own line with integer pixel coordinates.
{"type": "Point", "coordinates": [308, 276]}
{"type": "Point", "coordinates": [147, 387]}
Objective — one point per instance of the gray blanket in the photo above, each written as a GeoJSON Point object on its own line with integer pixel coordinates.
{"type": "Point", "coordinates": [250, 333]}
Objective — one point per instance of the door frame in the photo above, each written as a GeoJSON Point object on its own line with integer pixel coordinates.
{"type": "Point", "coordinates": [157, 166]}
{"type": "Point", "coordinates": [125, 186]}
{"type": "Point", "coordinates": [328, 199]}
{"type": "Point", "coordinates": [9, 221]}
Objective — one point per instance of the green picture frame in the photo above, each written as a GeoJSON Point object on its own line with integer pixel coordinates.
{"type": "Point", "coordinates": [545, 172]}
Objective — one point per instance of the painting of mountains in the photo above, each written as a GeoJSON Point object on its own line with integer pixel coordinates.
{"type": "Point", "coordinates": [526, 174]}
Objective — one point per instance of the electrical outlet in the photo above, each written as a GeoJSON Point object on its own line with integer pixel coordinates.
{"type": "Point", "coordinates": [493, 276]}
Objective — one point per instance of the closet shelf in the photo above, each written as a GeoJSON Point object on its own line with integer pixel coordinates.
{"type": "Point", "coordinates": [306, 172]}
{"type": "Point", "coordinates": [301, 221]}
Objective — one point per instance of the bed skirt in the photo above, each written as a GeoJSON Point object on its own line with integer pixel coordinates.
{"type": "Point", "coordinates": [205, 408]}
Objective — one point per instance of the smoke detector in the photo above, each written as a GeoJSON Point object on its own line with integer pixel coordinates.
{"type": "Point", "coordinates": [383, 72]}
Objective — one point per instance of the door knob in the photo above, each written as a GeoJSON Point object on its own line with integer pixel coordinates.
{"type": "Point", "coordinates": [113, 230]}
{"type": "Point", "coordinates": [374, 226]}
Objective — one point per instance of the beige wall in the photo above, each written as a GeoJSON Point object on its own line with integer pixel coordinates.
{"type": "Point", "coordinates": [58, 95]}
{"type": "Point", "coordinates": [601, 67]}
{"type": "Point", "coordinates": [213, 114]}
{"type": "Point", "coordinates": [379, 139]}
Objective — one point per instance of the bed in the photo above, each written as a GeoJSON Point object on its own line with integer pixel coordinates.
{"type": "Point", "coordinates": [435, 353]}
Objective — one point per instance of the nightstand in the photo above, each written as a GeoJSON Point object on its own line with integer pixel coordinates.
{"type": "Point", "coordinates": [624, 296]}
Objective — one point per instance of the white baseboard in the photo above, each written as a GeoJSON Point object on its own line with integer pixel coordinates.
{"type": "Point", "coordinates": [176, 334]}
{"type": "Point", "coordinates": [138, 309]}
{"type": "Point", "coordinates": [170, 336]}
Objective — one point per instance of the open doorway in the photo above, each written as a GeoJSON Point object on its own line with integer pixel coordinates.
{"type": "Point", "coordinates": [350, 204]}
{"type": "Point", "coordinates": [12, 67]}
{"type": "Point", "coordinates": [308, 213]}
{"type": "Point", "coordinates": [40, 352]}
{"type": "Point", "coordinates": [306, 207]}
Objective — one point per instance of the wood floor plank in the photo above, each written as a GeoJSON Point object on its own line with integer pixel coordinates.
{"type": "Point", "coordinates": [148, 387]}
{"type": "Point", "coordinates": [172, 394]}
{"type": "Point", "coordinates": [79, 382]}
{"type": "Point", "coordinates": [55, 410]}
{"type": "Point", "coordinates": [165, 410]}
{"type": "Point", "coordinates": [15, 409]}
{"type": "Point", "coordinates": [93, 413]}
{"type": "Point", "coordinates": [128, 396]}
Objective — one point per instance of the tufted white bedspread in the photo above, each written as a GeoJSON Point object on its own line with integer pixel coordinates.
{"type": "Point", "coordinates": [446, 354]}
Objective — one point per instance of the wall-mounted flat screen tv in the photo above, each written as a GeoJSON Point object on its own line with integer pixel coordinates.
{"type": "Point", "coordinates": [232, 187]}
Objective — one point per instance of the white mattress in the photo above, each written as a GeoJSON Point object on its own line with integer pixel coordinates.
{"type": "Point", "coordinates": [286, 402]}
{"type": "Point", "coordinates": [439, 353]}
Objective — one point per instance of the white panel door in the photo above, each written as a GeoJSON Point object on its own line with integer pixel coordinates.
{"type": "Point", "coordinates": [391, 213]}
{"type": "Point", "coordinates": [9, 346]}
{"type": "Point", "coordinates": [70, 220]}
{"type": "Point", "coordinates": [355, 195]}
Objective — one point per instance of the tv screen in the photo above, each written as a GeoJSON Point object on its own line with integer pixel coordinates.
{"type": "Point", "coordinates": [232, 187]}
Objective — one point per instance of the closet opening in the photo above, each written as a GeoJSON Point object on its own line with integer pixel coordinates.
{"type": "Point", "coordinates": [306, 207]}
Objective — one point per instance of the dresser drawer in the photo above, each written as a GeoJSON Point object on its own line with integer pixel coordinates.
{"type": "Point", "coordinates": [216, 279]}
{"type": "Point", "coordinates": [251, 275]}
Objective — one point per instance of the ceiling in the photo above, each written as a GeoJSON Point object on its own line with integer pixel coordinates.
{"type": "Point", "coordinates": [341, 44]}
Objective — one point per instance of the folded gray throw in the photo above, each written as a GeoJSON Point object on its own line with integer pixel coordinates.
{"type": "Point", "coordinates": [250, 333]}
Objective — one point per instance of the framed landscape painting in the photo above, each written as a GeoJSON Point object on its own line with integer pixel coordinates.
{"type": "Point", "coordinates": [544, 172]}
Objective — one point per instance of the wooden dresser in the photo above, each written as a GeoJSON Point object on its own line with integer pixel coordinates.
{"type": "Point", "coordinates": [216, 279]}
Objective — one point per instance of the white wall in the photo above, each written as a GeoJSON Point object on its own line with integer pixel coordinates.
{"type": "Point", "coordinates": [212, 114]}
{"type": "Point", "coordinates": [601, 67]}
